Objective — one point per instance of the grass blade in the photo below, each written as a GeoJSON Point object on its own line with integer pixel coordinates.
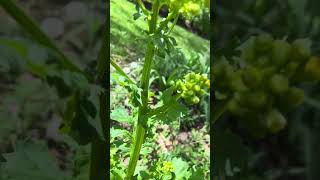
{"type": "Point", "coordinates": [120, 71]}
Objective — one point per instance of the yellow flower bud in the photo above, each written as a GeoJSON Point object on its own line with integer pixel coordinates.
{"type": "Point", "coordinates": [313, 68]}
{"type": "Point", "coordinates": [275, 121]}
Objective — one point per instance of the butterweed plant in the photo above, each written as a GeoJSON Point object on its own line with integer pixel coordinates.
{"type": "Point", "coordinates": [189, 89]}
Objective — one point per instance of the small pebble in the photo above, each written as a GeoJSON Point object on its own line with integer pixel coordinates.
{"type": "Point", "coordinates": [75, 11]}
{"type": "Point", "coordinates": [53, 27]}
{"type": "Point", "coordinates": [126, 70]}
{"type": "Point", "coordinates": [134, 65]}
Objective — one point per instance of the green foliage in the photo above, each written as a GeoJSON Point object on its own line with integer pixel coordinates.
{"type": "Point", "coordinates": [164, 170]}
{"type": "Point", "coordinates": [189, 8]}
{"type": "Point", "coordinates": [31, 161]}
{"type": "Point", "coordinates": [132, 31]}
{"type": "Point", "coordinates": [181, 168]}
{"type": "Point", "coordinates": [170, 109]}
{"type": "Point", "coordinates": [83, 102]}
{"type": "Point", "coordinates": [21, 103]}
{"type": "Point", "coordinates": [36, 33]}
{"type": "Point", "coordinates": [229, 163]}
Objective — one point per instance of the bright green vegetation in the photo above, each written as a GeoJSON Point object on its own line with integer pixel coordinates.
{"type": "Point", "coordinates": [127, 42]}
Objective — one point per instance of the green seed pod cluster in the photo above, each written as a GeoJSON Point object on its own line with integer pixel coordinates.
{"type": "Point", "coordinates": [192, 87]}
{"type": "Point", "coordinates": [262, 82]}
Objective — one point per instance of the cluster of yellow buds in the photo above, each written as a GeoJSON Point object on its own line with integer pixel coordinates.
{"type": "Point", "coordinates": [188, 8]}
{"type": "Point", "coordinates": [165, 167]}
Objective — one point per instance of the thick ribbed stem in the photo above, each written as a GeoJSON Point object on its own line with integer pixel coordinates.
{"type": "Point", "coordinates": [143, 110]}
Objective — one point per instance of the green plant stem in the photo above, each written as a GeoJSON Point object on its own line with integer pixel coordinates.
{"type": "Point", "coordinates": [138, 141]}
{"type": "Point", "coordinates": [143, 109]}
{"type": "Point", "coordinates": [170, 16]}
{"type": "Point", "coordinates": [174, 23]}
{"type": "Point", "coordinates": [98, 160]}
{"type": "Point", "coordinates": [143, 8]}
{"type": "Point", "coordinates": [99, 164]}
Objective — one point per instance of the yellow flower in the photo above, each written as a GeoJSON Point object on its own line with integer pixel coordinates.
{"type": "Point", "coordinates": [167, 167]}
{"type": "Point", "coordinates": [190, 9]}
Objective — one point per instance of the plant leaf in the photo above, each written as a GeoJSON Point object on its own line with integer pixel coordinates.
{"type": "Point", "coordinates": [31, 161]}
{"type": "Point", "coordinates": [121, 115]}
{"type": "Point", "coordinates": [228, 146]}
{"type": "Point", "coordinates": [170, 110]}
{"type": "Point", "coordinates": [181, 168]}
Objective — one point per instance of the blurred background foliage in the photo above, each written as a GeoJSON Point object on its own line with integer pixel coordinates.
{"type": "Point", "coordinates": [31, 145]}
{"type": "Point", "coordinates": [293, 153]}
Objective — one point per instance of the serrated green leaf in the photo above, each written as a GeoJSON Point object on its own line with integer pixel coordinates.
{"type": "Point", "coordinates": [170, 110]}
{"type": "Point", "coordinates": [121, 115]}
{"type": "Point", "coordinates": [32, 161]}
{"type": "Point", "coordinates": [167, 96]}
{"type": "Point", "coordinates": [117, 132]}
{"type": "Point", "coordinates": [116, 175]}
{"type": "Point", "coordinates": [69, 114]}
{"type": "Point", "coordinates": [79, 123]}
{"type": "Point", "coordinates": [181, 169]}
{"type": "Point", "coordinates": [199, 174]}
